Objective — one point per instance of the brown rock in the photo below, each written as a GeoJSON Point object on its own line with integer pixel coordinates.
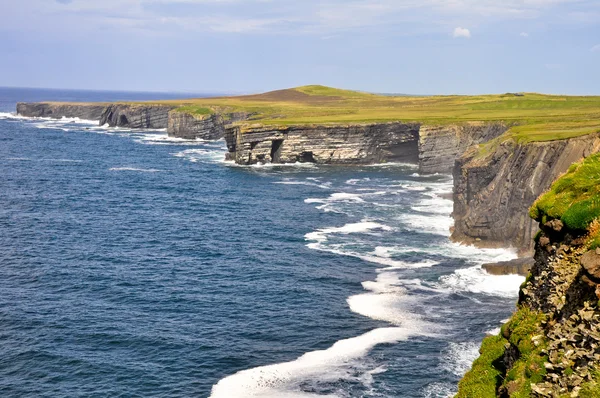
{"type": "Point", "coordinates": [556, 225]}
{"type": "Point", "coordinates": [544, 241]}
{"type": "Point", "coordinates": [591, 262]}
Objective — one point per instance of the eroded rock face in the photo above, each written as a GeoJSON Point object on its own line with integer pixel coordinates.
{"type": "Point", "coordinates": [136, 116]}
{"type": "Point", "coordinates": [185, 125]}
{"type": "Point", "coordinates": [492, 194]}
{"type": "Point", "coordinates": [354, 144]}
{"type": "Point", "coordinates": [520, 266]}
{"type": "Point", "coordinates": [59, 110]}
{"type": "Point", "coordinates": [440, 146]}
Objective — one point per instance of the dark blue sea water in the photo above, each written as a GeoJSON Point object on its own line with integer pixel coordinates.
{"type": "Point", "coordinates": [136, 265]}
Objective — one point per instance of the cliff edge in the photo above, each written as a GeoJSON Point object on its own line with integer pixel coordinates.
{"type": "Point", "coordinates": [551, 345]}
{"type": "Point", "coordinates": [495, 185]}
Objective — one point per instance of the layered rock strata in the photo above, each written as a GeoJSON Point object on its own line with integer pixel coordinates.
{"type": "Point", "coordinates": [520, 266]}
{"type": "Point", "coordinates": [187, 126]}
{"type": "Point", "coordinates": [58, 110]}
{"type": "Point", "coordinates": [493, 192]}
{"type": "Point", "coordinates": [354, 144]}
{"type": "Point", "coordinates": [440, 146]}
{"type": "Point", "coordinates": [178, 124]}
{"type": "Point", "coordinates": [136, 116]}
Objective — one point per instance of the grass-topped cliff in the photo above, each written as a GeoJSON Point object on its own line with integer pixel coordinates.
{"type": "Point", "coordinates": [534, 116]}
{"type": "Point", "coordinates": [551, 345]}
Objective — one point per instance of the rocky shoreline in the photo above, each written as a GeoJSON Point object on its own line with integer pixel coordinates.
{"type": "Point", "coordinates": [492, 192]}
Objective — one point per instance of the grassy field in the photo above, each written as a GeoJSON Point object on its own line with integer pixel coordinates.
{"type": "Point", "coordinates": [534, 117]}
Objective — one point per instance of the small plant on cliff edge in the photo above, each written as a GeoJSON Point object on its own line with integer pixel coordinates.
{"type": "Point", "coordinates": [574, 198]}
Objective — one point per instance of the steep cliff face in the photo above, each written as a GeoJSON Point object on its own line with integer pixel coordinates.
{"type": "Point", "coordinates": [551, 345]}
{"type": "Point", "coordinates": [59, 110]}
{"type": "Point", "coordinates": [136, 116]}
{"type": "Point", "coordinates": [492, 193]}
{"type": "Point", "coordinates": [185, 125]}
{"type": "Point", "coordinates": [440, 146]}
{"type": "Point", "coordinates": [356, 144]}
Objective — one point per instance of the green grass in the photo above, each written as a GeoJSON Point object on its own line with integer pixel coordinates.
{"type": "Point", "coordinates": [481, 381]}
{"type": "Point", "coordinates": [533, 117]}
{"type": "Point", "coordinates": [484, 377]}
{"type": "Point", "coordinates": [591, 389]}
{"type": "Point", "coordinates": [574, 198]}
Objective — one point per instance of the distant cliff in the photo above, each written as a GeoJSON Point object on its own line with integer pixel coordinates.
{"type": "Point", "coordinates": [136, 116]}
{"type": "Point", "coordinates": [493, 191]}
{"type": "Point", "coordinates": [433, 148]}
{"type": "Point", "coordinates": [350, 144]}
{"type": "Point", "coordinates": [59, 110]}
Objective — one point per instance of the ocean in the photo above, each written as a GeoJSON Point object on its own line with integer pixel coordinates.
{"type": "Point", "coordinates": [137, 265]}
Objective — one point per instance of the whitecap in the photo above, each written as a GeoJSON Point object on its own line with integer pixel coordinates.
{"type": "Point", "coordinates": [339, 362]}
{"type": "Point", "coordinates": [458, 358]}
{"type": "Point", "coordinates": [476, 280]}
{"type": "Point", "coordinates": [135, 169]}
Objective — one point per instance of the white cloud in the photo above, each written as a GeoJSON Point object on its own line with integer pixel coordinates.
{"type": "Point", "coordinates": [524, 34]}
{"type": "Point", "coordinates": [462, 32]}
{"type": "Point", "coordinates": [595, 49]}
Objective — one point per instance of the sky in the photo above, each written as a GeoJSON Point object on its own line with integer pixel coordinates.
{"type": "Point", "coordinates": [244, 46]}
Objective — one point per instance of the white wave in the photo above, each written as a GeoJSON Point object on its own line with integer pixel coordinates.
{"type": "Point", "coordinates": [394, 164]}
{"type": "Point", "coordinates": [337, 197]}
{"type": "Point", "coordinates": [439, 390]}
{"type": "Point", "coordinates": [20, 159]}
{"type": "Point", "coordinates": [135, 169]}
{"type": "Point", "coordinates": [339, 362]}
{"type": "Point", "coordinates": [9, 115]}
{"type": "Point", "coordinates": [439, 224]}
{"type": "Point", "coordinates": [435, 204]}
{"type": "Point", "coordinates": [276, 165]}
{"type": "Point", "coordinates": [459, 357]}
{"type": "Point", "coordinates": [355, 181]}
{"type": "Point", "coordinates": [164, 139]}
{"type": "Point", "coordinates": [320, 235]}
{"type": "Point", "coordinates": [206, 154]}
{"type": "Point", "coordinates": [476, 280]}
{"type": "Point", "coordinates": [311, 183]}
{"type": "Point", "coordinates": [493, 332]}
{"type": "Point", "coordinates": [62, 160]}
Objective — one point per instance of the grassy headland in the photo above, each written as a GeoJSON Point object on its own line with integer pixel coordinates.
{"type": "Point", "coordinates": [534, 117]}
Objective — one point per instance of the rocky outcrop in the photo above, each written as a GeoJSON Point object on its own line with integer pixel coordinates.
{"type": "Point", "coordinates": [551, 345]}
{"type": "Point", "coordinates": [520, 266]}
{"type": "Point", "coordinates": [136, 116]}
{"type": "Point", "coordinates": [188, 126]}
{"type": "Point", "coordinates": [57, 110]}
{"type": "Point", "coordinates": [206, 127]}
{"type": "Point", "coordinates": [493, 191]}
{"type": "Point", "coordinates": [353, 144]}
{"type": "Point", "coordinates": [440, 146]}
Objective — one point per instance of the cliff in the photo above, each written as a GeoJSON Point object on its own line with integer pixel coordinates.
{"type": "Point", "coordinates": [142, 116]}
{"type": "Point", "coordinates": [57, 110]}
{"type": "Point", "coordinates": [324, 144]}
{"type": "Point", "coordinates": [136, 116]}
{"type": "Point", "coordinates": [433, 148]}
{"type": "Point", "coordinates": [493, 191]}
{"type": "Point", "coordinates": [551, 345]}
{"type": "Point", "coordinates": [440, 146]}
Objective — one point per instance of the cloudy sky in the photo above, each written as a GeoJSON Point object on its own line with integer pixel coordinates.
{"type": "Point", "coordinates": [236, 46]}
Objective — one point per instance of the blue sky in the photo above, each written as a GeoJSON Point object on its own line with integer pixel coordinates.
{"type": "Point", "coordinates": [238, 46]}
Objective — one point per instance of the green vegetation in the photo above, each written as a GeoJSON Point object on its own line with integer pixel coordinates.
{"type": "Point", "coordinates": [591, 389]}
{"type": "Point", "coordinates": [483, 378]}
{"type": "Point", "coordinates": [487, 374]}
{"type": "Point", "coordinates": [534, 117]}
{"type": "Point", "coordinates": [195, 110]}
{"type": "Point", "coordinates": [523, 328]}
{"type": "Point", "coordinates": [574, 198]}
